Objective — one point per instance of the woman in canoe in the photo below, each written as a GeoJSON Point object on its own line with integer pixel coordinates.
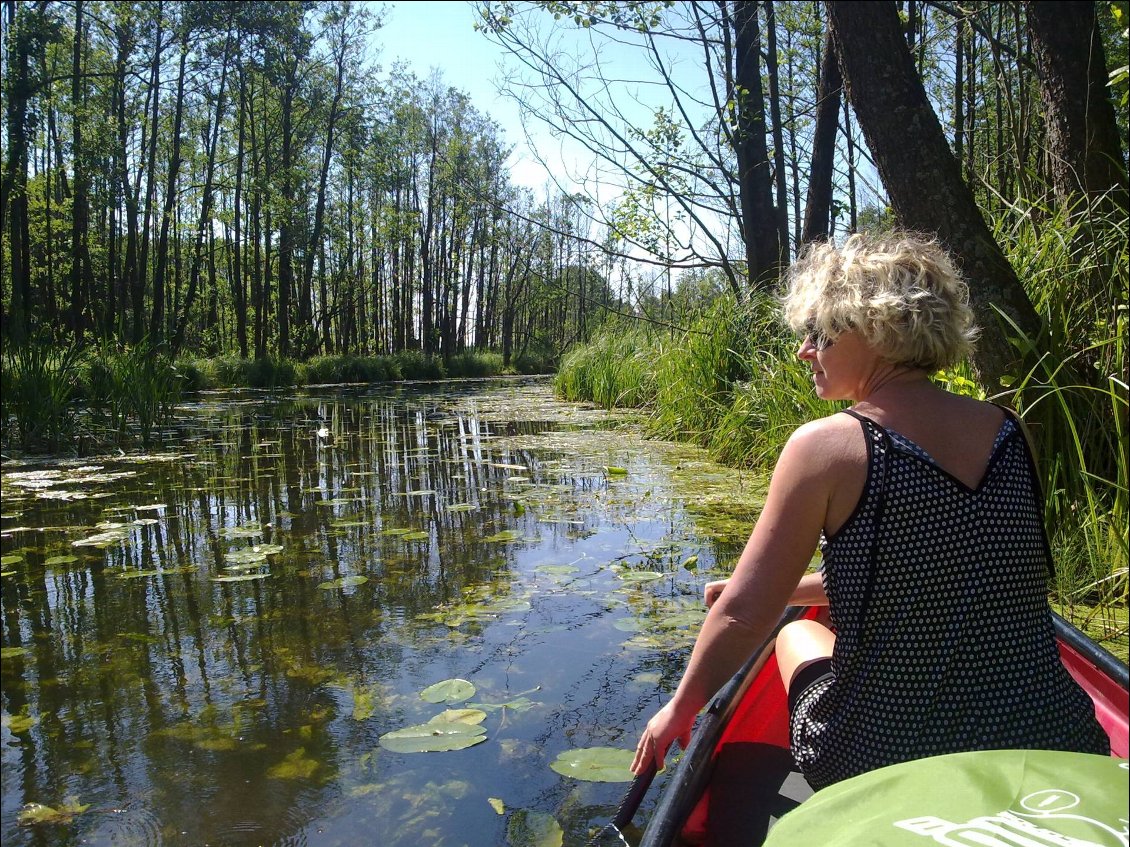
{"type": "Point", "coordinates": [928, 512]}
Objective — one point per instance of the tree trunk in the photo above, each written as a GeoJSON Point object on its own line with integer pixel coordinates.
{"type": "Point", "coordinates": [286, 228]}
{"type": "Point", "coordinates": [157, 321]}
{"type": "Point", "coordinates": [778, 130]}
{"type": "Point", "coordinates": [755, 186]}
{"type": "Point", "coordinates": [1082, 134]}
{"type": "Point", "coordinates": [921, 175]}
{"type": "Point", "coordinates": [81, 272]}
{"type": "Point", "coordinates": [239, 289]}
{"type": "Point", "coordinates": [205, 222]}
{"type": "Point", "coordinates": [818, 208]}
{"type": "Point", "coordinates": [13, 203]}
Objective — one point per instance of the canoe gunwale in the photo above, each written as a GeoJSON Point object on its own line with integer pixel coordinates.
{"type": "Point", "coordinates": [1106, 662]}
{"type": "Point", "coordinates": [692, 773]}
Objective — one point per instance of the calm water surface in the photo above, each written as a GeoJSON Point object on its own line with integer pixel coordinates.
{"type": "Point", "coordinates": [205, 645]}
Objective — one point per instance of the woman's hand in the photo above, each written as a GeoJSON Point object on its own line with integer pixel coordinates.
{"type": "Point", "coordinates": [712, 591]}
{"type": "Point", "coordinates": [666, 725]}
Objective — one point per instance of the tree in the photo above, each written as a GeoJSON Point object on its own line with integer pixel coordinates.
{"type": "Point", "coordinates": [818, 209]}
{"type": "Point", "coordinates": [921, 175]}
{"type": "Point", "coordinates": [1082, 136]}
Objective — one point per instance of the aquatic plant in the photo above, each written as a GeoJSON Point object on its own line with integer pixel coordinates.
{"type": "Point", "coordinates": [38, 384]}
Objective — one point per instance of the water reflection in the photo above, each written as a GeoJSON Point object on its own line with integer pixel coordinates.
{"type": "Point", "coordinates": [205, 646]}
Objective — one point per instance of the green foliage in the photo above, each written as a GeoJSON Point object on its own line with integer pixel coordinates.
{"type": "Point", "coordinates": [136, 385]}
{"type": "Point", "coordinates": [474, 363]}
{"type": "Point", "coordinates": [1073, 393]}
{"type": "Point", "coordinates": [38, 383]}
{"type": "Point", "coordinates": [614, 370]}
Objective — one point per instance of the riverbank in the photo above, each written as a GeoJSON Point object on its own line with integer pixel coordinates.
{"type": "Point", "coordinates": [74, 399]}
{"type": "Point", "coordinates": [731, 383]}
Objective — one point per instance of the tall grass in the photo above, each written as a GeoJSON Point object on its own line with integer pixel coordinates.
{"type": "Point", "coordinates": [614, 370]}
{"type": "Point", "coordinates": [1074, 394]}
{"type": "Point", "coordinates": [38, 384]}
{"type": "Point", "coordinates": [133, 388]}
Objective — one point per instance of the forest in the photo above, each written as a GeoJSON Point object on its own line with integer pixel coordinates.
{"type": "Point", "coordinates": [235, 178]}
{"type": "Point", "coordinates": [239, 178]}
{"type": "Point", "coordinates": [235, 193]}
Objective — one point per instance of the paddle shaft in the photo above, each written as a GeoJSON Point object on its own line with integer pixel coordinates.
{"type": "Point", "coordinates": [634, 797]}
{"type": "Point", "coordinates": [628, 806]}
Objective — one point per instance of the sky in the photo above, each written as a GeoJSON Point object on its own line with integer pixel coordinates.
{"type": "Point", "coordinates": [439, 34]}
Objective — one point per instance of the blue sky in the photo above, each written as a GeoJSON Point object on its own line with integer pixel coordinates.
{"type": "Point", "coordinates": [439, 34]}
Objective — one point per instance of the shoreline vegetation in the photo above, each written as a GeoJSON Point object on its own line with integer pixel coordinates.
{"type": "Point", "coordinates": [76, 399]}
{"type": "Point", "coordinates": [722, 375]}
{"type": "Point", "coordinates": [730, 382]}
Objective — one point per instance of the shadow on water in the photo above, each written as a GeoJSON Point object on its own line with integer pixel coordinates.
{"type": "Point", "coordinates": [206, 645]}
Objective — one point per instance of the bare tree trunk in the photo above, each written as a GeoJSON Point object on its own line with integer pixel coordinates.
{"type": "Point", "coordinates": [764, 255]}
{"type": "Point", "coordinates": [157, 321]}
{"type": "Point", "coordinates": [778, 130]}
{"type": "Point", "coordinates": [818, 209]}
{"type": "Point", "coordinates": [13, 202]}
{"type": "Point", "coordinates": [82, 276]}
{"type": "Point", "coordinates": [1083, 142]}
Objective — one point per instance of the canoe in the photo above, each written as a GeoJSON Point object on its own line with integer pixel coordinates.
{"type": "Point", "coordinates": [737, 777]}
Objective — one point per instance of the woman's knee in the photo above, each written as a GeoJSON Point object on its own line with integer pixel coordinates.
{"type": "Point", "coordinates": [800, 643]}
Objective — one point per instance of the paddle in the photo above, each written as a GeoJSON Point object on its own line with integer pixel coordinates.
{"type": "Point", "coordinates": [628, 807]}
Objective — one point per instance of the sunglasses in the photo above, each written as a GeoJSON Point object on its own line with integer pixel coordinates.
{"type": "Point", "coordinates": [819, 340]}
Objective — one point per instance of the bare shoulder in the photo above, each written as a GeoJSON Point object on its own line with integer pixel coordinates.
{"type": "Point", "coordinates": [827, 444]}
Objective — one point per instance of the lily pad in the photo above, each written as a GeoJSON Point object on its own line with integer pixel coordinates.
{"type": "Point", "coordinates": [595, 764]}
{"type": "Point", "coordinates": [243, 577]}
{"type": "Point", "coordinates": [640, 576]}
{"type": "Point", "coordinates": [433, 737]}
{"type": "Point", "coordinates": [467, 716]}
{"type": "Point", "coordinates": [449, 691]}
{"type": "Point", "coordinates": [12, 652]}
{"type": "Point", "coordinates": [612, 470]}
{"type": "Point", "coordinates": [518, 704]}
{"type": "Point", "coordinates": [37, 813]}
{"type": "Point", "coordinates": [246, 531]}
{"type": "Point", "coordinates": [344, 582]}
{"type": "Point", "coordinates": [13, 559]}
{"type": "Point", "coordinates": [505, 535]}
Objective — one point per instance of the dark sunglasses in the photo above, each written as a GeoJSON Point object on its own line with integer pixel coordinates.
{"type": "Point", "coordinates": [819, 340]}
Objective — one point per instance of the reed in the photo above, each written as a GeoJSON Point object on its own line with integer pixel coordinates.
{"type": "Point", "coordinates": [1074, 395]}
{"type": "Point", "coordinates": [38, 384]}
{"type": "Point", "coordinates": [130, 389]}
{"type": "Point", "coordinates": [614, 370]}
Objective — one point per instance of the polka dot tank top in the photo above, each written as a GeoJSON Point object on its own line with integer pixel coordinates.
{"type": "Point", "coordinates": [944, 640]}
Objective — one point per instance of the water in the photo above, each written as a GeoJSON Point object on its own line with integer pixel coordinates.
{"type": "Point", "coordinates": [205, 645]}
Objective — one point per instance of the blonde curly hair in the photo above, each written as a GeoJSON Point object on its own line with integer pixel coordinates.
{"type": "Point", "coordinates": [900, 291]}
